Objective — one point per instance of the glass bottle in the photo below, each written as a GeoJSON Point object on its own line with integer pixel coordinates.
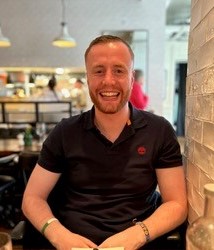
{"type": "Point", "coordinates": [200, 234]}
{"type": "Point", "coordinates": [28, 137]}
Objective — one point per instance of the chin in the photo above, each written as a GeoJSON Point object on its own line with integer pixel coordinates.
{"type": "Point", "coordinates": [107, 108]}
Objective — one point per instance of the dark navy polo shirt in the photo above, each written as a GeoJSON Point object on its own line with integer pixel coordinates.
{"type": "Point", "coordinates": [106, 185]}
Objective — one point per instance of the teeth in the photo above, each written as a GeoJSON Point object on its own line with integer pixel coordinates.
{"type": "Point", "coordinates": [109, 94]}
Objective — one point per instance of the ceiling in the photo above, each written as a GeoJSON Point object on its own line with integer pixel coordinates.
{"type": "Point", "coordinates": [178, 19]}
{"type": "Point", "coordinates": [178, 12]}
{"type": "Point", "coordinates": [32, 25]}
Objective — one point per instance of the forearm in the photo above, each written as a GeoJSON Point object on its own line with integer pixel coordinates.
{"type": "Point", "coordinates": [37, 211]}
{"type": "Point", "coordinates": [166, 218]}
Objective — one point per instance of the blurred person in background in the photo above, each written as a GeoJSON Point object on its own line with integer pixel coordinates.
{"type": "Point", "coordinates": [78, 94]}
{"type": "Point", "coordinates": [138, 98]}
{"type": "Point", "coordinates": [50, 93]}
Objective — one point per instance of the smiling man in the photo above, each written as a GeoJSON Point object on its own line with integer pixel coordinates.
{"type": "Point", "coordinates": [109, 161]}
{"type": "Point", "coordinates": [110, 76]}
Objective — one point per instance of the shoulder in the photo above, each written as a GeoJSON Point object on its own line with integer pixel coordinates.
{"type": "Point", "coordinates": [149, 118]}
{"type": "Point", "coordinates": [155, 125]}
{"type": "Point", "coordinates": [159, 122]}
{"type": "Point", "coordinates": [155, 117]}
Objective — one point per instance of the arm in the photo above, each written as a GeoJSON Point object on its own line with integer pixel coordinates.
{"type": "Point", "coordinates": [37, 210]}
{"type": "Point", "coordinates": [173, 211]}
{"type": "Point", "coordinates": [168, 216]}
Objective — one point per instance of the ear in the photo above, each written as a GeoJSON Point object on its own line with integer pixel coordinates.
{"type": "Point", "coordinates": [87, 78]}
{"type": "Point", "coordinates": [132, 78]}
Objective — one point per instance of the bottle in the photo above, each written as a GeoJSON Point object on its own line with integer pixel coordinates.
{"type": "Point", "coordinates": [28, 137]}
{"type": "Point", "coordinates": [200, 234]}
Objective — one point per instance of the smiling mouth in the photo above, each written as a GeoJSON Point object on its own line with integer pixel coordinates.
{"type": "Point", "coordinates": [109, 94]}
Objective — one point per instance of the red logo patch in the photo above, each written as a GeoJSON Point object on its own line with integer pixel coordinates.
{"type": "Point", "coordinates": [141, 150]}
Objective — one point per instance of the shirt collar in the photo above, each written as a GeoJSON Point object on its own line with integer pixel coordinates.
{"type": "Point", "coordinates": [137, 117]}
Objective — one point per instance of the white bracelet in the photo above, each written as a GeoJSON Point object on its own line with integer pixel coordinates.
{"type": "Point", "coordinates": [47, 224]}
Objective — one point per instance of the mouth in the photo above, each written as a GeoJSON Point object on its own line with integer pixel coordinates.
{"type": "Point", "coordinates": [109, 94]}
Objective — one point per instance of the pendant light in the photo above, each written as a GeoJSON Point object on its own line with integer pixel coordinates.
{"type": "Point", "coordinates": [64, 40]}
{"type": "Point", "coordinates": [4, 41]}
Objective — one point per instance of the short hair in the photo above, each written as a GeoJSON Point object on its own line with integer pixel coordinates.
{"type": "Point", "coordinates": [52, 82]}
{"type": "Point", "coordinates": [106, 39]}
{"type": "Point", "coordinates": [79, 80]}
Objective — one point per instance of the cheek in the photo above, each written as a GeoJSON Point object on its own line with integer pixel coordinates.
{"type": "Point", "coordinates": [130, 81]}
{"type": "Point", "coordinates": [92, 83]}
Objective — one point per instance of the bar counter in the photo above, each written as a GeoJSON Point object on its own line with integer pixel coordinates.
{"type": "Point", "coordinates": [33, 111]}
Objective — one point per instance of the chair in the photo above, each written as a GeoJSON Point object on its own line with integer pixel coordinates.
{"type": "Point", "coordinates": [8, 181]}
{"type": "Point", "coordinates": [26, 163]}
{"type": "Point", "coordinates": [8, 164]}
{"type": "Point", "coordinates": [7, 184]}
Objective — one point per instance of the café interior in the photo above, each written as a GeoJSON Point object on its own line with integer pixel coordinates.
{"type": "Point", "coordinates": [156, 30]}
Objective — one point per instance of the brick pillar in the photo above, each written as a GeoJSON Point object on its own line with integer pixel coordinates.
{"type": "Point", "coordinates": [199, 123]}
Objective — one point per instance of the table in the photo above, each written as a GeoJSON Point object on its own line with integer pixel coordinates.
{"type": "Point", "coordinates": [11, 146]}
{"type": "Point", "coordinates": [17, 247]}
{"type": "Point", "coordinates": [20, 247]}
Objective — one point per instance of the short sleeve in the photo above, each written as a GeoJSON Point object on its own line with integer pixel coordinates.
{"type": "Point", "coordinates": [169, 154]}
{"type": "Point", "coordinates": [51, 155]}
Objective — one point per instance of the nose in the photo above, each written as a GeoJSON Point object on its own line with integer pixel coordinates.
{"type": "Point", "coordinates": [109, 77]}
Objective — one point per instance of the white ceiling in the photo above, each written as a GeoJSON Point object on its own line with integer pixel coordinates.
{"type": "Point", "coordinates": [31, 26]}
{"type": "Point", "coordinates": [178, 12]}
{"type": "Point", "coordinates": [177, 19]}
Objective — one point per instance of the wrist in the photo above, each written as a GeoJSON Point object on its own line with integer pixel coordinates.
{"type": "Point", "coordinates": [47, 223]}
{"type": "Point", "coordinates": [144, 229]}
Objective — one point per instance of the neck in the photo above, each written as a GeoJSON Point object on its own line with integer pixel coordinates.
{"type": "Point", "coordinates": [111, 125]}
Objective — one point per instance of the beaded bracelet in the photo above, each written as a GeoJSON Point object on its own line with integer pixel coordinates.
{"type": "Point", "coordinates": [145, 229]}
{"type": "Point", "coordinates": [47, 224]}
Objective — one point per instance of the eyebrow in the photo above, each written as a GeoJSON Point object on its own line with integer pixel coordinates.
{"type": "Point", "coordinates": [114, 66]}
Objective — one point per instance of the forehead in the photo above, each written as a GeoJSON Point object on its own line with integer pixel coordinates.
{"type": "Point", "coordinates": [109, 51]}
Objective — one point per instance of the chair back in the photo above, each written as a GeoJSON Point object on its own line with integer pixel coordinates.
{"type": "Point", "coordinates": [27, 162]}
{"type": "Point", "coordinates": [8, 165]}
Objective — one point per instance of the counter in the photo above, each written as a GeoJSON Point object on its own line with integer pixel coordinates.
{"type": "Point", "coordinates": [26, 111]}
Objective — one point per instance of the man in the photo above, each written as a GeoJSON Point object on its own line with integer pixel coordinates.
{"type": "Point", "coordinates": [138, 98]}
{"type": "Point", "coordinates": [111, 159]}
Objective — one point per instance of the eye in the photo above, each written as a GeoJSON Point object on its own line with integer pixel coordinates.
{"type": "Point", "coordinates": [119, 71]}
{"type": "Point", "coordinates": [98, 71]}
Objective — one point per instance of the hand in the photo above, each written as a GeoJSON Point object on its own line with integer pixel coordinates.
{"type": "Point", "coordinates": [65, 240]}
{"type": "Point", "coordinates": [131, 239]}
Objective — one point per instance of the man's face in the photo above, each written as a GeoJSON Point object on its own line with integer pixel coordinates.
{"type": "Point", "coordinates": [110, 76]}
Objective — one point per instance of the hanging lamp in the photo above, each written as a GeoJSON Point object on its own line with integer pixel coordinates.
{"type": "Point", "coordinates": [64, 40]}
{"type": "Point", "coordinates": [4, 41]}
